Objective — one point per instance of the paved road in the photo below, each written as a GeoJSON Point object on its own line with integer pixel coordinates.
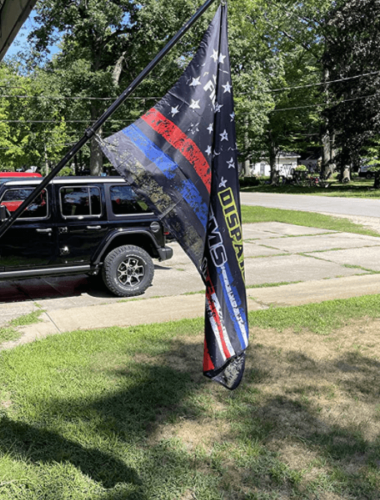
{"type": "Point", "coordinates": [323, 204]}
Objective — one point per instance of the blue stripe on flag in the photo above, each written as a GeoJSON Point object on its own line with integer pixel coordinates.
{"type": "Point", "coordinates": [234, 313]}
{"type": "Point", "coordinates": [170, 169]}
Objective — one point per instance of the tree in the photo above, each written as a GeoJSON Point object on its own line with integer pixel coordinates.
{"type": "Point", "coordinates": [23, 143]}
{"type": "Point", "coordinates": [292, 35]}
{"type": "Point", "coordinates": [353, 49]}
{"type": "Point", "coordinates": [106, 43]}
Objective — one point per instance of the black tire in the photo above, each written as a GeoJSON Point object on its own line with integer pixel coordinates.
{"type": "Point", "coordinates": [128, 271]}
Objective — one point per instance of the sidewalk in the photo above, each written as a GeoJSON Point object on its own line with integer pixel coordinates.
{"type": "Point", "coordinates": [316, 264]}
{"type": "Point", "coordinates": [131, 313]}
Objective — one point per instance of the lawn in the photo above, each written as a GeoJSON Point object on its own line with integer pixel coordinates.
{"type": "Point", "coordinates": [309, 219]}
{"type": "Point", "coordinates": [10, 332]}
{"type": "Point", "coordinates": [125, 414]}
{"type": "Point", "coordinates": [358, 188]}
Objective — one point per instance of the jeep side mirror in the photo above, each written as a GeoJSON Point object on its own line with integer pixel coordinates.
{"type": "Point", "coordinates": [4, 214]}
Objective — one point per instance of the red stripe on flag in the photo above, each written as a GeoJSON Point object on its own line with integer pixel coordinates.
{"type": "Point", "coordinates": [209, 291]}
{"type": "Point", "coordinates": [176, 138]}
{"type": "Point", "coordinates": [207, 363]}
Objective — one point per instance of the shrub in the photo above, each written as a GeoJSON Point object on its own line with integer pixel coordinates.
{"type": "Point", "coordinates": [65, 172]}
{"type": "Point", "coordinates": [249, 181]}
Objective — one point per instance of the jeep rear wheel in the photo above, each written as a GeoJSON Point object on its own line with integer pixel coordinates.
{"type": "Point", "coordinates": [128, 271]}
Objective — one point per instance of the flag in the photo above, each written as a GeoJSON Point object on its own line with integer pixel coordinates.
{"type": "Point", "coordinates": [181, 157]}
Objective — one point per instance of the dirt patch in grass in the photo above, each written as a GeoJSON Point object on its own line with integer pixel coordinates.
{"type": "Point", "coordinates": [312, 401]}
{"type": "Point", "coordinates": [304, 424]}
{"type": "Point", "coordinates": [193, 434]}
{"type": "Point", "coordinates": [335, 377]}
{"type": "Point", "coordinates": [186, 356]}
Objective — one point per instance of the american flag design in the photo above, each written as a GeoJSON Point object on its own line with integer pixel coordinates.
{"type": "Point", "coordinates": [181, 157]}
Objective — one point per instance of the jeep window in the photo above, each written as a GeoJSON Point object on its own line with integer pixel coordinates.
{"type": "Point", "coordinates": [125, 201]}
{"type": "Point", "coordinates": [13, 198]}
{"type": "Point", "coordinates": [80, 201]}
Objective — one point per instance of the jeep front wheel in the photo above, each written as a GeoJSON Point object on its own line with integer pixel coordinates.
{"type": "Point", "coordinates": [128, 271]}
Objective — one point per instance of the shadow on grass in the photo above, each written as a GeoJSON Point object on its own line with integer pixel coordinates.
{"type": "Point", "coordinates": [128, 417]}
{"type": "Point", "coordinates": [39, 445]}
{"type": "Point", "coordinates": [147, 395]}
{"type": "Point", "coordinates": [319, 443]}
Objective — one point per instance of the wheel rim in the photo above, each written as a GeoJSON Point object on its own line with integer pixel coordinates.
{"type": "Point", "coordinates": [130, 272]}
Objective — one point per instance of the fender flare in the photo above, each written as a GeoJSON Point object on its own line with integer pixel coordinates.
{"type": "Point", "coordinates": [102, 249]}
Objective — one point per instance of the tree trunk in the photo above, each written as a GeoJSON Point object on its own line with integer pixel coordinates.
{"type": "Point", "coordinates": [247, 168]}
{"type": "Point", "coordinates": [96, 155]}
{"type": "Point", "coordinates": [47, 169]}
{"type": "Point", "coordinates": [96, 158]}
{"type": "Point", "coordinates": [274, 175]}
{"type": "Point", "coordinates": [247, 163]}
{"type": "Point", "coordinates": [376, 181]}
{"type": "Point", "coordinates": [346, 171]}
{"type": "Point", "coordinates": [118, 69]}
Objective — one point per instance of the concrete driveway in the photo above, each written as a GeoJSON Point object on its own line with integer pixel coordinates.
{"type": "Point", "coordinates": [315, 264]}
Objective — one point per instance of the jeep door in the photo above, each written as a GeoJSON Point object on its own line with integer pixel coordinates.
{"type": "Point", "coordinates": [30, 242]}
{"type": "Point", "coordinates": [82, 221]}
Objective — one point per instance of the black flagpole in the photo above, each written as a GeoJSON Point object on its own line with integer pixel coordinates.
{"type": "Point", "coordinates": [91, 131]}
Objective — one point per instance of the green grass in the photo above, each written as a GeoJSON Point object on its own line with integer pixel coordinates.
{"type": "Point", "coordinates": [320, 318]}
{"type": "Point", "coordinates": [120, 414]}
{"type": "Point", "coordinates": [270, 285]}
{"type": "Point", "coordinates": [308, 219]}
{"type": "Point", "coordinates": [9, 332]}
{"type": "Point", "coordinates": [358, 188]}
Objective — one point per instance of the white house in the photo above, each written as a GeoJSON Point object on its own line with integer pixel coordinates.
{"type": "Point", "coordinates": [285, 163]}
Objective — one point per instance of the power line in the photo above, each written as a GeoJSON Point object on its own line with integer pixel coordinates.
{"type": "Point", "coordinates": [88, 98]}
{"type": "Point", "coordinates": [84, 98]}
{"type": "Point", "coordinates": [131, 121]}
{"type": "Point", "coordinates": [323, 83]}
{"type": "Point", "coordinates": [320, 105]}
{"type": "Point", "coordinates": [65, 121]}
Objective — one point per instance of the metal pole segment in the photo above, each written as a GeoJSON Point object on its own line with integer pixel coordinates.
{"type": "Point", "coordinates": [90, 132]}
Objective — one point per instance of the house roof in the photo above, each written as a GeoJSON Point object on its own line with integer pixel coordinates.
{"type": "Point", "coordinates": [282, 154]}
{"type": "Point", "coordinates": [13, 14]}
{"type": "Point", "coordinates": [287, 154]}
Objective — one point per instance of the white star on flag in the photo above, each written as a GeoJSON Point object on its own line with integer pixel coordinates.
{"type": "Point", "coordinates": [208, 150]}
{"type": "Point", "coordinates": [218, 107]}
{"type": "Point", "coordinates": [195, 82]}
{"type": "Point", "coordinates": [232, 115]}
{"type": "Point", "coordinates": [174, 111]}
{"type": "Point", "coordinates": [195, 104]}
{"type": "Point", "coordinates": [224, 136]}
{"type": "Point", "coordinates": [222, 58]}
{"type": "Point", "coordinates": [227, 88]}
{"type": "Point", "coordinates": [215, 55]}
{"type": "Point", "coordinates": [210, 128]}
{"type": "Point", "coordinates": [231, 163]}
{"type": "Point", "coordinates": [223, 182]}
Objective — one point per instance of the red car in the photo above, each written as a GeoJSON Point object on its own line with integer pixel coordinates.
{"type": "Point", "coordinates": [8, 176]}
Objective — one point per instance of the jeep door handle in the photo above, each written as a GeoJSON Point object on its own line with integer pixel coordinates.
{"type": "Point", "coordinates": [95, 228]}
{"type": "Point", "coordinates": [47, 230]}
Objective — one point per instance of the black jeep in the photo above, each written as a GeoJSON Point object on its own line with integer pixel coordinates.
{"type": "Point", "coordinates": [82, 225]}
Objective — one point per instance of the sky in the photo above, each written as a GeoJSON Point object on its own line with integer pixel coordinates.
{"type": "Point", "coordinates": [20, 42]}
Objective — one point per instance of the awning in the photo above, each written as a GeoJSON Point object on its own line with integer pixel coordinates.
{"type": "Point", "coordinates": [13, 14]}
